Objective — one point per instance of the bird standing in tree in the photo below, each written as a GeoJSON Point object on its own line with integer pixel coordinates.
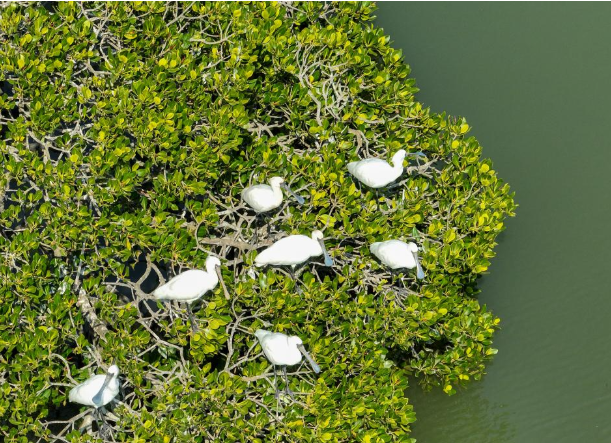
{"type": "Point", "coordinates": [283, 350]}
{"type": "Point", "coordinates": [97, 391]}
{"type": "Point", "coordinates": [189, 286]}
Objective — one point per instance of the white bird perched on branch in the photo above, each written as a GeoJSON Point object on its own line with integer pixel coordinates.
{"type": "Point", "coordinates": [97, 390]}
{"type": "Point", "coordinates": [377, 173]}
{"type": "Point", "coordinates": [397, 254]}
{"type": "Point", "coordinates": [283, 350]}
{"type": "Point", "coordinates": [189, 286]}
{"type": "Point", "coordinates": [294, 250]}
{"type": "Point", "coordinates": [264, 198]}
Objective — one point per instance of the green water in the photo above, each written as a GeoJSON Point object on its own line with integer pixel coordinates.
{"type": "Point", "coordinates": [534, 82]}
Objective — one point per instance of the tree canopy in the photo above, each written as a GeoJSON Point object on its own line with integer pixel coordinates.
{"type": "Point", "coordinates": [128, 131]}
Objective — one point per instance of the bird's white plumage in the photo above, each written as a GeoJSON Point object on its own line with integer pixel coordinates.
{"type": "Point", "coordinates": [377, 173]}
{"type": "Point", "coordinates": [283, 350]}
{"type": "Point", "coordinates": [280, 349]}
{"type": "Point", "coordinates": [292, 250]}
{"type": "Point", "coordinates": [190, 285]}
{"type": "Point", "coordinates": [263, 198]}
{"type": "Point", "coordinates": [86, 391]}
{"type": "Point", "coordinates": [397, 254]}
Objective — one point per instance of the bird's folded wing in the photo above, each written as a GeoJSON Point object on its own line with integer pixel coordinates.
{"type": "Point", "coordinates": [186, 284]}
{"type": "Point", "coordinates": [373, 167]}
{"type": "Point", "coordinates": [275, 345]}
{"type": "Point", "coordinates": [255, 192]}
{"type": "Point", "coordinates": [86, 390]}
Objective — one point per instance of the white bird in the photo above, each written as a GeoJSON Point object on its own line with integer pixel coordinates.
{"type": "Point", "coordinates": [189, 286]}
{"type": "Point", "coordinates": [294, 250]}
{"type": "Point", "coordinates": [398, 255]}
{"type": "Point", "coordinates": [264, 198]}
{"type": "Point", "coordinates": [283, 350]}
{"type": "Point", "coordinates": [377, 173]}
{"type": "Point", "coordinates": [98, 391]}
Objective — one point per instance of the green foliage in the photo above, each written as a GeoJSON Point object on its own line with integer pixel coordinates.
{"type": "Point", "coordinates": [128, 133]}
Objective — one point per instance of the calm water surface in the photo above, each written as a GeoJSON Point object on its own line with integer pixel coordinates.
{"type": "Point", "coordinates": [534, 82]}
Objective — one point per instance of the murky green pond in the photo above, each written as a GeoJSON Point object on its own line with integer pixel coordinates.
{"type": "Point", "coordinates": [534, 82]}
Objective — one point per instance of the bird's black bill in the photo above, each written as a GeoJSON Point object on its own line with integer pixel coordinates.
{"type": "Point", "coordinates": [97, 399]}
{"type": "Point", "coordinates": [328, 259]}
{"type": "Point", "coordinates": [288, 189]}
{"type": "Point", "coordinates": [419, 271]}
{"type": "Point", "coordinates": [310, 360]}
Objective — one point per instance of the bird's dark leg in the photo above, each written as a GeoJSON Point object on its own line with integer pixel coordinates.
{"type": "Point", "coordinates": [257, 221]}
{"type": "Point", "coordinates": [294, 277]}
{"type": "Point", "coordinates": [287, 390]}
{"type": "Point", "coordinates": [377, 194]}
{"type": "Point", "coordinates": [121, 390]}
{"type": "Point", "coordinates": [194, 326]}
{"type": "Point", "coordinates": [170, 311]}
{"type": "Point", "coordinates": [363, 192]}
{"type": "Point", "coordinates": [393, 277]}
{"type": "Point", "coordinates": [277, 395]}
{"type": "Point", "coordinates": [103, 426]}
{"type": "Point", "coordinates": [260, 221]}
{"type": "Point", "coordinates": [268, 223]}
{"type": "Point", "coordinates": [403, 279]}
{"type": "Point", "coordinates": [98, 419]}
